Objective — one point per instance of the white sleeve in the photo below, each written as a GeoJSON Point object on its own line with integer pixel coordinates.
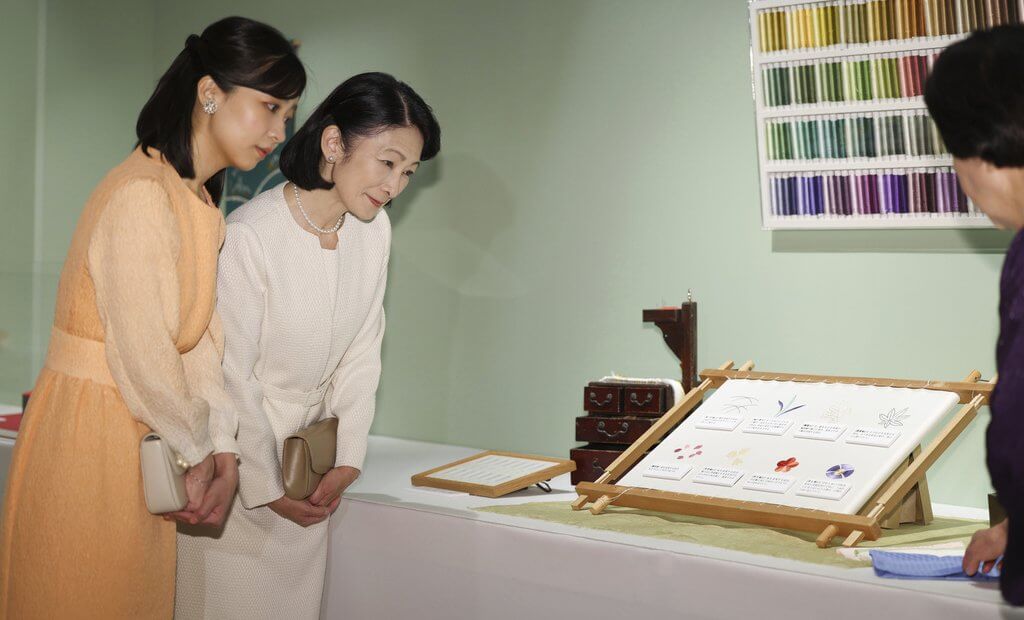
{"type": "Point", "coordinates": [242, 300]}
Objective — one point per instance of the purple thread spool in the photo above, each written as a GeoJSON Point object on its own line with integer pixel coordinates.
{"type": "Point", "coordinates": [818, 185]}
{"type": "Point", "coordinates": [902, 190]}
{"type": "Point", "coordinates": [930, 196]}
{"type": "Point", "coordinates": [887, 193]}
{"type": "Point", "coordinates": [873, 193]}
{"type": "Point", "coordinates": [794, 190]}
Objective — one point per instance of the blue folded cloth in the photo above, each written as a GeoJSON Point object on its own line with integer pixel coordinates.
{"type": "Point", "coordinates": [896, 565]}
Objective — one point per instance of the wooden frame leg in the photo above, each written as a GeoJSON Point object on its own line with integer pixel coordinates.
{"type": "Point", "coordinates": [580, 503]}
{"type": "Point", "coordinates": [854, 538]}
{"type": "Point", "coordinates": [825, 538]}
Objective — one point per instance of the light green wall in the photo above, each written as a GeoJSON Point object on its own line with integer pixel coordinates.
{"type": "Point", "coordinates": [95, 63]}
{"type": "Point", "coordinates": [598, 158]}
{"type": "Point", "coordinates": [18, 43]}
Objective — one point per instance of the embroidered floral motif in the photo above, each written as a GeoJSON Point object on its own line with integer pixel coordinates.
{"type": "Point", "coordinates": [787, 465]}
{"type": "Point", "coordinates": [736, 456]}
{"type": "Point", "coordinates": [688, 452]}
{"type": "Point", "coordinates": [838, 472]}
{"type": "Point", "coordinates": [836, 413]}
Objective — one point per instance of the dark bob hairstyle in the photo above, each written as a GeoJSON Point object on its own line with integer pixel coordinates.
{"type": "Point", "coordinates": [975, 94]}
{"type": "Point", "coordinates": [234, 51]}
{"type": "Point", "coordinates": [361, 106]}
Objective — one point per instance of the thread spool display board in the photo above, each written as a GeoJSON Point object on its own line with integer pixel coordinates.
{"type": "Point", "coordinates": [844, 137]}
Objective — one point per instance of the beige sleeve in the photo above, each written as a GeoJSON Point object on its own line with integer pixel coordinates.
{"type": "Point", "coordinates": [203, 372]}
{"type": "Point", "coordinates": [132, 260]}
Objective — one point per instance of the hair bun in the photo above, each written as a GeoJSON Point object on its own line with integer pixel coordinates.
{"type": "Point", "coordinates": [194, 45]}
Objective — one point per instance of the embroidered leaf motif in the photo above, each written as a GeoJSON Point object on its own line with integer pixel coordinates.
{"type": "Point", "coordinates": [740, 404]}
{"type": "Point", "coordinates": [893, 417]}
{"type": "Point", "coordinates": [788, 407]}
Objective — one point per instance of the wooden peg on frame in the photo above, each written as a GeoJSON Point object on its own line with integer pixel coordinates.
{"type": "Point", "coordinates": [601, 503]}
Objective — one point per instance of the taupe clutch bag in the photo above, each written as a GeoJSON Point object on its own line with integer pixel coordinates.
{"type": "Point", "coordinates": [308, 455]}
{"type": "Point", "coordinates": [162, 478]}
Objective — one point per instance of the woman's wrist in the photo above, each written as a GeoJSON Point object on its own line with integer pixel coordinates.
{"type": "Point", "coordinates": [226, 465]}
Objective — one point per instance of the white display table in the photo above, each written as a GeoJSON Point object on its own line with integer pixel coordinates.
{"type": "Point", "coordinates": [397, 551]}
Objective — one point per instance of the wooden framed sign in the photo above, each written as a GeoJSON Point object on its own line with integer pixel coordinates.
{"type": "Point", "coordinates": [493, 474]}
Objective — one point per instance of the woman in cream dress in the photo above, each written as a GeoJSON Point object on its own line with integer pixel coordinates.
{"type": "Point", "coordinates": [136, 344]}
{"type": "Point", "coordinates": [301, 285]}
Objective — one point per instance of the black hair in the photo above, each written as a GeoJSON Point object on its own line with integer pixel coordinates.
{"type": "Point", "coordinates": [975, 94]}
{"type": "Point", "coordinates": [234, 51]}
{"type": "Point", "coordinates": [361, 106]}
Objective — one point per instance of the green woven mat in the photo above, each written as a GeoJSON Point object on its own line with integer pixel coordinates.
{"type": "Point", "coordinates": [735, 536]}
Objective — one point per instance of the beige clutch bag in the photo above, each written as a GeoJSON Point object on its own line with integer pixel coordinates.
{"type": "Point", "coordinates": [162, 478]}
{"type": "Point", "coordinates": [308, 455]}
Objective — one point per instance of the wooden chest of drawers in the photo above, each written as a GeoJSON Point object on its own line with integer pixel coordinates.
{"type": "Point", "coordinates": [618, 413]}
{"type": "Point", "coordinates": [611, 429]}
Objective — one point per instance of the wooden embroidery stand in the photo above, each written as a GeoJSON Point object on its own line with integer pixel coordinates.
{"type": "Point", "coordinates": [902, 498]}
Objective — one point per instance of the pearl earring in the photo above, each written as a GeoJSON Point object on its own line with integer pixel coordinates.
{"type": "Point", "coordinates": [210, 106]}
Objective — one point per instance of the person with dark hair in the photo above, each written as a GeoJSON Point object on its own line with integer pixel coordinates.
{"type": "Point", "coordinates": [976, 97]}
{"type": "Point", "coordinates": [300, 290]}
{"type": "Point", "coordinates": [136, 344]}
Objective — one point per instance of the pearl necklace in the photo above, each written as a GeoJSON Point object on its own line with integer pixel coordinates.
{"type": "Point", "coordinates": [322, 231]}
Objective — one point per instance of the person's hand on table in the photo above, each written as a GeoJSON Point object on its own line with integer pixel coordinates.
{"type": "Point", "coordinates": [985, 548]}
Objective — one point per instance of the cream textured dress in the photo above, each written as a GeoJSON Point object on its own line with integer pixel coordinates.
{"type": "Point", "coordinates": [303, 329]}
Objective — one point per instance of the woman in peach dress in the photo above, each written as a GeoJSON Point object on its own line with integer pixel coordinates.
{"type": "Point", "coordinates": [136, 344]}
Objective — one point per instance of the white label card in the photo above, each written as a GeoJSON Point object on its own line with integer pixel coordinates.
{"type": "Point", "coordinates": [772, 483]}
{"type": "Point", "coordinates": [767, 426]}
{"type": "Point", "coordinates": [878, 437]}
{"type": "Point", "coordinates": [819, 430]}
{"type": "Point", "coordinates": [823, 489]}
{"type": "Point", "coordinates": [718, 476]}
{"type": "Point", "coordinates": [668, 471]}
{"type": "Point", "coordinates": [719, 422]}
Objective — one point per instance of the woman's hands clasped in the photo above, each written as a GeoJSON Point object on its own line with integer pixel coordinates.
{"type": "Point", "coordinates": [322, 503]}
{"type": "Point", "coordinates": [210, 486]}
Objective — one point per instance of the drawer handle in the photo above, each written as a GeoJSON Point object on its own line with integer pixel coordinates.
{"type": "Point", "coordinates": [623, 429]}
{"type": "Point", "coordinates": [607, 400]}
{"type": "Point", "coordinates": [636, 401]}
{"type": "Point", "coordinates": [597, 467]}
